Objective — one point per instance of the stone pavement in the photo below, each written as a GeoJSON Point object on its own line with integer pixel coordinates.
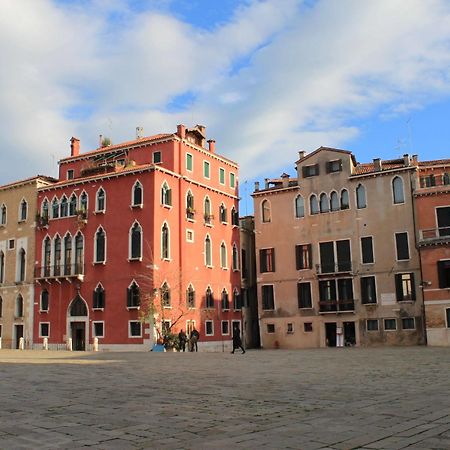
{"type": "Point", "coordinates": [349, 398]}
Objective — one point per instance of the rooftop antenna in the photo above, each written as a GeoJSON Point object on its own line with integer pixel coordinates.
{"type": "Point", "coordinates": [408, 123]}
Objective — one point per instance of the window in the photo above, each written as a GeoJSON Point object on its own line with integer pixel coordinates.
{"type": "Point", "coordinates": [372, 324]}
{"type": "Point", "coordinates": [44, 212]}
{"type": "Point", "coordinates": [324, 206]}
{"type": "Point", "coordinates": [67, 254]}
{"type": "Point", "coordinates": [268, 302]}
{"type": "Point", "coordinates": [11, 243]}
{"type": "Point", "coordinates": [166, 295]}
{"type": "Point", "coordinates": [235, 258]}
{"type": "Point", "coordinates": [136, 241]}
{"type": "Point", "coordinates": [64, 207]}
{"type": "Point", "coordinates": [190, 297]}
{"type": "Point", "coordinates": [55, 208]}
{"type": "Point", "coordinates": [223, 213]}
{"type": "Point", "coordinates": [189, 235]}
{"type": "Point", "coordinates": [234, 217]}
{"type": "Point", "coordinates": [334, 166]}
{"type": "Point", "coordinates": [390, 324]}
{"type": "Point", "coordinates": [47, 257]}
{"type": "Point", "coordinates": [443, 221]}
{"type": "Point", "coordinates": [428, 181]}
{"type": "Point", "coordinates": [209, 328]}
{"type": "Point", "coordinates": [1, 310]}
{"type": "Point", "coordinates": [290, 328]}
{"type": "Point", "coordinates": [443, 268]}
{"type": "Point", "coordinates": [265, 210]}
{"type": "Point", "coordinates": [447, 313]}
{"type": "Point", "coordinates": [23, 210]}
{"type": "Point", "coordinates": [345, 293]}
{"type": "Point", "coordinates": [345, 203]}
{"type": "Point", "coordinates": [2, 267]}
{"type": "Point", "coordinates": [304, 295]}
{"type": "Point", "coordinates": [408, 323]}
{"type": "Point", "coordinates": [19, 307]}
{"type": "Point", "coordinates": [397, 190]}
{"type": "Point", "coordinates": [404, 286]}
{"type": "Point", "coordinates": [368, 290]}
{"type": "Point", "coordinates": [79, 253]}
{"type": "Point", "coordinates": [57, 256]}
{"type": "Point", "coordinates": [22, 265]}
{"type": "Point", "coordinates": [327, 293]}
{"type": "Point", "coordinates": [209, 299]}
{"type": "Point", "coordinates": [100, 247]}
{"type": "Point", "coordinates": [303, 256]}
{"type": "Point", "coordinates": [133, 295]}
{"type": "Point", "coordinates": [100, 201]}
{"type": "Point", "coordinates": [367, 250]}
{"type": "Point", "coordinates": [299, 207]}
{"type": "Point", "coordinates": [207, 216]}
{"type": "Point", "coordinates": [221, 175]}
{"type": "Point", "coordinates": [310, 171]}
{"type": "Point", "coordinates": [208, 251]}
{"type": "Point", "coordinates": [157, 157]}
{"type": "Point", "coordinates": [189, 162]}
{"type": "Point", "coordinates": [401, 245]}
{"type": "Point", "coordinates": [3, 215]}
{"type": "Point", "coordinates": [98, 330]}
{"type": "Point", "coordinates": [267, 260]}
{"type": "Point", "coordinates": [206, 169]}
{"type": "Point", "coordinates": [270, 328]}
{"type": "Point", "coordinates": [237, 303]}
{"type": "Point", "coordinates": [225, 301]}
{"type": "Point", "coordinates": [360, 196]}
{"type": "Point", "coordinates": [99, 297]}
{"type": "Point", "coordinates": [446, 179]}
{"type": "Point", "coordinates": [137, 194]}
{"type": "Point", "coordinates": [225, 327]}
{"type": "Point", "coordinates": [73, 205]}
{"type": "Point", "coordinates": [223, 256]}
{"type": "Point", "coordinates": [244, 263]}
{"type": "Point", "coordinates": [83, 202]}
{"type": "Point", "coordinates": [135, 328]}
{"type": "Point", "coordinates": [232, 180]}
{"type": "Point", "coordinates": [313, 205]}
{"type": "Point", "coordinates": [44, 329]}
{"type": "Point", "coordinates": [330, 253]}
{"type": "Point", "coordinates": [78, 307]}
{"type": "Point", "coordinates": [166, 195]}
{"type": "Point", "coordinates": [165, 242]}
{"type": "Point", "coordinates": [44, 301]}
{"type": "Point", "coordinates": [307, 327]}
{"type": "Point", "coordinates": [190, 206]}
{"type": "Point", "coordinates": [70, 174]}
{"type": "Point", "coordinates": [334, 201]}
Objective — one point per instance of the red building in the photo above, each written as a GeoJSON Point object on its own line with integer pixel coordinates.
{"type": "Point", "coordinates": [136, 237]}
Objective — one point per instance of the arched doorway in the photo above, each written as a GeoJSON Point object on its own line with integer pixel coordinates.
{"type": "Point", "coordinates": [78, 323]}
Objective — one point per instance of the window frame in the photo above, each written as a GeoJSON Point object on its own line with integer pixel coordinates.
{"type": "Point", "coordinates": [271, 305]}
{"type": "Point", "coordinates": [41, 335]}
{"type": "Point", "coordinates": [130, 334]}
{"type": "Point", "coordinates": [211, 324]}
{"type": "Point", "coordinates": [94, 334]}
{"type": "Point", "coordinates": [402, 238]}
{"type": "Point", "coordinates": [300, 301]}
{"type": "Point", "coordinates": [206, 170]}
{"type": "Point", "coordinates": [395, 191]}
{"type": "Point", "coordinates": [372, 321]}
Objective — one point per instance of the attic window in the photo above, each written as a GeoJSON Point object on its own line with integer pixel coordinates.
{"type": "Point", "coordinates": [334, 166]}
{"type": "Point", "coordinates": [310, 171]}
{"type": "Point", "coordinates": [70, 174]}
{"type": "Point", "coordinates": [157, 157]}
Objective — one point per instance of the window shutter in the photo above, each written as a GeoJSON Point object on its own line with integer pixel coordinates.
{"type": "Point", "coordinates": [328, 166]}
{"type": "Point", "coordinates": [298, 263]}
{"type": "Point", "coordinates": [273, 260]}
{"type": "Point", "coordinates": [262, 261]}
{"type": "Point", "coordinates": [413, 287]}
{"type": "Point", "coordinates": [128, 296]}
{"type": "Point", "coordinates": [304, 172]}
{"type": "Point", "coordinates": [299, 295]}
{"type": "Point", "coordinates": [310, 256]}
{"type": "Point", "coordinates": [398, 287]}
{"type": "Point", "coordinates": [441, 273]}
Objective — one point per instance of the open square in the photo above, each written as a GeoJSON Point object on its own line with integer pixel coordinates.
{"type": "Point", "coordinates": [349, 398]}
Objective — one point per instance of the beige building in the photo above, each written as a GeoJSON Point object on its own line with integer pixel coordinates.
{"type": "Point", "coordinates": [17, 260]}
{"type": "Point", "coordinates": [336, 257]}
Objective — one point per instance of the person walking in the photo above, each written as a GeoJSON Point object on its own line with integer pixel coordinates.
{"type": "Point", "coordinates": [182, 338]}
{"type": "Point", "coordinates": [237, 343]}
{"type": "Point", "coordinates": [195, 336]}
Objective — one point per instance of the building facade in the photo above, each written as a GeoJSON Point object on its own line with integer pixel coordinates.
{"type": "Point", "coordinates": [432, 199]}
{"type": "Point", "coordinates": [17, 256]}
{"type": "Point", "coordinates": [336, 257]}
{"type": "Point", "coordinates": [137, 239]}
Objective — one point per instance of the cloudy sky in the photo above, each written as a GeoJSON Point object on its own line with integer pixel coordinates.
{"type": "Point", "coordinates": [267, 78]}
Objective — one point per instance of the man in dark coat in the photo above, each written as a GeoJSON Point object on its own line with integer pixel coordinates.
{"type": "Point", "coordinates": [237, 343]}
{"type": "Point", "coordinates": [182, 338]}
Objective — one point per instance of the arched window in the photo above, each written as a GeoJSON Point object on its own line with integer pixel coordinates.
{"type": "Point", "coordinates": [133, 295]}
{"type": "Point", "coordinates": [209, 298]}
{"type": "Point", "coordinates": [235, 258]}
{"type": "Point", "coordinates": [44, 300]}
{"type": "Point", "coordinates": [2, 267]}
{"type": "Point", "coordinates": [19, 306]}
{"type": "Point", "coordinates": [22, 265]}
{"type": "Point", "coordinates": [23, 210]}
{"type": "Point", "coordinates": [223, 213]}
{"type": "Point", "coordinates": [79, 253]}
{"type": "Point", "coordinates": [166, 195]}
{"type": "Point", "coordinates": [73, 205]}
{"type": "Point", "coordinates": [165, 242]}
{"type": "Point", "coordinates": [190, 297]}
{"type": "Point", "coordinates": [78, 307]}
{"type": "Point", "coordinates": [237, 304]}
{"type": "Point", "coordinates": [100, 246]}
{"type": "Point", "coordinates": [446, 179]}
{"type": "Point", "coordinates": [44, 209]}
{"type": "Point", "coordinates": [223, 255]}
{"type": "Point", "coordinates": [397, 190]}
{"type": "Point", "coordinates": [99, 297]}
{"type": "Point", "coordinates": [137, 194]}
{"type": "Point", "coordinates": [100, 201]}
{"type": "Point", "coordinates": [207, 210]}
{"type": "Point", "coordinates": [265, 209]}
{"type": "Point", "coordinates": [84, 202]}
{"type": "Point", "coordinates": [234, 217]}
{"type": "Point", "coordinates": [299, 207]}
{"type": "Point", "coordinates": [208, 253]}
{"type": "Point", "coordinates": [190, 205]}
{"type": "Point", "coordinates": [55, 208]}
{"type": "Point", "coordinates": [64, 207]}
{"type": "Point", "coordinates": [47, 256]}
{"type": "Point", "coordinates": [313, 205]}
{"type": "Point", "coordinates": [360, 196]}
{"type": "Point", "coordinates": [225, 300]}
{"type": "Point", "coordinates": [57, 256]}
{"type": "Point", "coordinates": [334, 201]}
{"type": "Point", "coordinates": [324, 205]}
{"type": "Point", "coordinates": [344, 199]}
{"type": "Point", "coordinates": [3, 215]}
{"type": "Point", "coordinates": [136, 241]}
{"type": "Point", "coordinates": [67, 254]}
{"type": "Point", "coordinates": [165, 295]}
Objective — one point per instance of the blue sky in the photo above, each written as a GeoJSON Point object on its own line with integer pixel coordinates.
{"type": "Point", "coordinates": [267, 78]}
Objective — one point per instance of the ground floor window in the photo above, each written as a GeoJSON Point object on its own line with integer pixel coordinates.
{"type": "Point", "coordinates": [290, 328]}
{"type": "Point", "coordinates": [271, 328]}
{"type": "Point", "coordinates": [209, 327]}
{"type": "Point", "coordinates": [134, 328]}
{"type": "Point", "coordinates": [408, 323]}
{"type": "Point", "coordinates": [390, 324]}
{"type": "Point", "coordinates": [44, 329]}
{"type": "Point", "coordinates": [308, 327]}
{"type": "Point", "coordinates": [98, 329]}
{"type": "Point", "coordinates": [372, 325]}
{"type": "Point", "coordinates": [225, 327]}
{"type": "Point", "coordinates": [447, 312]}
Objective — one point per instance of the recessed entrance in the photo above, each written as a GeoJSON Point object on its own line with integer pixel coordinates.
{"type": "Point", "coordinates": [18, 334]}
{"type": "Point", "coordinates": [330, 334]}
{"type": "Point", "coordinates": [349, 334]}
{"type": "Point", "coordinates": [78, 330]}
{"type": "Point", "coordinates": [78, 321]}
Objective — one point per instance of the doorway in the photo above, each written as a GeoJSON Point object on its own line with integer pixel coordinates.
{"type": "Point", "coordinates": [18, 334]}
{"type": "Point", "coordinates": [78, 336]}
{"type": "Point", "coordinates": [330, 334]}
{"type": "Point", "coordinates": [349, 334]}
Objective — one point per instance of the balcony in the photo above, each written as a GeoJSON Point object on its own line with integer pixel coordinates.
{"type": "Point", "coordinates": [342, 267]}
{"type": "Point", "coordinates": [434, 236]}
{"type": "Point", "coordinates": [337, 306]}
{"type": "Point", "coordinates": [60, 271]}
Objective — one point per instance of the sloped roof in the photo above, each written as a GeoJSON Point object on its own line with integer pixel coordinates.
{"type": "Point", "coordinates": [331, 149]}
{"type": "Point", "coordinates": [45, 178]}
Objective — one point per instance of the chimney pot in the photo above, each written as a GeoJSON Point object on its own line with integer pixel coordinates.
{"type": "Point", "coordinates": [212, 145]}
{"type": "Point", "coordinates": [100, 140]}
{"type": "Point", "coordinates": [301, 154]}
{"type": "Point", "coordinates": [406, 159]}
{"type": "Point", "coordinates": [377, 164]}
{"type": "Point", "coordinates": [256, 186]}
{"type": "Point", "coordinates": [181, 131]}
{"type": "Point", "coordinates": [74, 146]}
{"type": "Point", "coordinates": [266, 183]}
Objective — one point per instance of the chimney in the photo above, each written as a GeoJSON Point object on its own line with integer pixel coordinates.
{"type": "Point", "coordinates": [100, 140]}
{"type": "Point", "coordinates": [266, 183]}
{"type": "Point", "coordinates": [74, 146]}
{"type": "Point", "coordinates": [139, 132]}
{"type": "Point", "coordinates": [256, 186]}
{"type": "Point", "coordinates": [406, 159]}
{"type": "Point", "coordinates": [285, 179]}
{"type": "Point", "coordinates": [212, 145]}
{"type": "Point", "coordinates": [181, 131]}
{"type": "Point", "coordinates": [301, 154]}
{"type": "Point", "coordinates": [377, 164]}
{"type": "Point", "coordinates": [415, 160]}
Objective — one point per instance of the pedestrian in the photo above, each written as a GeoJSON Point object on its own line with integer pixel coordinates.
{"type": "Point", "coordinates": [195, 336]}
{"type": "Point", "coordinates": [182, 338]}
{"type": "Point", "coordinates": [237, 343]}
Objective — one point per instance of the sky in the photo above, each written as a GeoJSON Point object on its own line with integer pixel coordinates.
{"type": "Point", "coordinates": [267, 78]}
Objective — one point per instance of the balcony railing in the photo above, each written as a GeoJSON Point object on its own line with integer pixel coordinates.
{"type": "Point", "coordinates": [434, 235]}
{"type": "Point", "coordinates": [340, 267]}
{"type": "Point", "coordinates": [337, 306]}
{"type": "Point", "coordinates": [60, 271]}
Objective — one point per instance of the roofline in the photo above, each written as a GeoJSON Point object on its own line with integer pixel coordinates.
{"type": "Point", "coordinates": [321, 148]}
{"type": "Point", "coordinates": [44, 178]}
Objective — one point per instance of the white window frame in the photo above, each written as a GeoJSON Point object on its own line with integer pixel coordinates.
{"type": "Point", "coordinates": [206, 164]}
{"type": "Point", "coordinates": [191, 240]}
{"type": "Point", "coordinates": [97, 210]}
{"type": "Point", "coordinates": [95, 246]}
{"type": "Point", "coordinates": [409, 329]}
{"type": "Point", "coordinates": [129, 329]}
{"type": "Point", "coordinates": [168, 257]}
{"type": "Point", "coordinates": [130, 258]}
{"type": "Point", "coordinates": [40, 329]}
{"type": "Point", "coordinates": [390, 329]}
{"type": "Point", "coordinates": [222, 171]}
{"type": "Point", "coordinates": [232, 180]}
{"type": "Point", "coordinates": [192, 162]}
{"type": "Point", "coordinates": [221, 327]}
{"type": "Point", "coordinates": [137, 205]}
{"type": "Point", "coordinates": [212, 328]}
{"type": "Point", "coordinates": [393, 191]}
{"type": "Point", "coordinates": [93, 328]}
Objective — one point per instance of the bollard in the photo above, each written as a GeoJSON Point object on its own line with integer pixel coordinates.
{"type": "Point", "coordinates": [96, 344]}
{"type": "Point", "coordinates": [45, 344]}
{"type": "Point", "coordinates": [69, 344]}
{"type": "Point", "coordinates": [0, 343]}
{"type": "Point", "coordinates": [21, 343]}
